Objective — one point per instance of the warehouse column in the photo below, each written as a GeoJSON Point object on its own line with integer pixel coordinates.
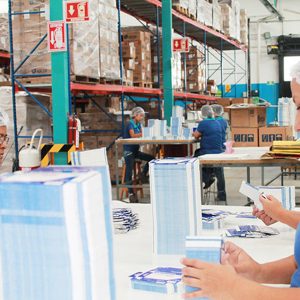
{"type": "Point", "coordinates": [60, 88]}
{"type": "Point", "coordinates": [167, 58]}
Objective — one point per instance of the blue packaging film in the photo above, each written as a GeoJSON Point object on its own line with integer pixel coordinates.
{"type": "Point", "coordinates": [160, 280]}
{"type": "Point", "coordinates": [176, 203]}
{"type": "Point", "coordinates": [56, 235]}
{"type": "Point", "coordinates": [205, 248]}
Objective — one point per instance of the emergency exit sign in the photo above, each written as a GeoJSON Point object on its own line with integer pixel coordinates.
{"type": "Point", "coordinates": [181, 45]}
{"type": "Point", "coordinates": [76, 11]}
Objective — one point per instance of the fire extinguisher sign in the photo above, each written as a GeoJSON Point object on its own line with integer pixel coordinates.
{"type": "Point", "coordinates": [57, 36]}
{"type": "Point", "coordinates": [76, 11]}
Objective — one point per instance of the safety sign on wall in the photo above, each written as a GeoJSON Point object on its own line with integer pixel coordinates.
{"type": "Point", "coordinates": [57, 36]}
{"type": "Point", "coordinates": [181, 45]}
{"type": "Point", "coordinates": [76, 11]}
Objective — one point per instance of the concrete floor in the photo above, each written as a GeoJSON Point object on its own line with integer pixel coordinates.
{"type": "Point", "coordinates": [234, 177]}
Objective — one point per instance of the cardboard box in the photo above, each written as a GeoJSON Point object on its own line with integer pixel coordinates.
{"type": "Point", "coordinates": [244, 137]}
{"type": "Point", "coordinates": [269, 134]}
{"type": "Point", "coordinates": [240, 101]}
{"type": "Point", "coordinates": [252, 116]}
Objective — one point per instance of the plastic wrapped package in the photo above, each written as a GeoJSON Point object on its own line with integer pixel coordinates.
{"type": "Point", "coordinates": [193, 8]}
{"type": "Point", "coordinates": [181, 3]}
{"type": "Point", "coordinates": [28, 30]}
{"type": "Point", "coordinates": [177, 80]}
{"type": "Point", "coordinates": [84, 45]}
{"type": "Point", "coordinates": [4, 40]}
{"type": "Point", "coordinates": [228, 20]}
{"type": "Point", "coordinates": [217, 16]}
{"type": "Point", "coordinates": [109, 41]}
{"type": "Point", "coordinates": [244, 26]}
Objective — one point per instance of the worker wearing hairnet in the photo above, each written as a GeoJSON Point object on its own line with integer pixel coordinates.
{"type": "Point", "coordinates": [210, 132]}
{"type": "Point", "coordinates": [132, 152]}
{"type": "Point", "coordinates": [3, 134]}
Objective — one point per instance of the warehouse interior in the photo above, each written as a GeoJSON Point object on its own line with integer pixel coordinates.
{"type": "Point", "coordinates": [149, 149]}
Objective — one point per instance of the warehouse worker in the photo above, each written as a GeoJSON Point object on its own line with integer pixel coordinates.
{"type": "Point", "coordinates": [3, 134]}
{"type": "Point", "coordinates": [218, 114]}
{"type": "Point", "coordinates": [131, 152]}
{"type": "Point", "coordinates": [240, 277]}
{"type": "Point", "coordinates": [210, 132]}
{"type": "Point", "coordinates": [272, 209]}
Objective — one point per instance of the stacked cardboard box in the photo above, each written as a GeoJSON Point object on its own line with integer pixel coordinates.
{"type": "Point", "coordinates": [157, 65]}
{"type": "Point", "coordinates": [94, 48]}
{"type": "Point", "coordinates": [204, 12]}
{"type": "Point", "coordinates": [195, 70]}
{"type": "Point", "coordinates": [108, 39]}
{"type": "Point", "coordinates": [244, 27]}
{"type": "Point", "coordinates": [267, 135]}
{"type": "Point", "coordinates": [4, 40]}
{"type": "Point", "coordinates": [129, 57]}
{"type": "Point", "coordinates": [142, 72]}
{"type": "Point", "coordinates": [232, 17]}
{"type": "Point", "coordinates": [245, 122]}
{"type": "Point", "coordinates": [228, 19]}
{"type": "Point", "coordinates": [217, 21]}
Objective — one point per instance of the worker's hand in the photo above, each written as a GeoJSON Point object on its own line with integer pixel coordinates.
{"type": "Point", "coordinates": [213, 281]}
{"type": "Point", "coordinates": [260, 214]}
{"type": "Point", "coordinates": [243, 264]}
{"type": "Point", "coordinates": [272, 207]}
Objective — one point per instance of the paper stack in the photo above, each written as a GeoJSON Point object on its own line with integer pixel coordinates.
{"type": "Point", "coordinates": [176, 203]}
{"type": "Point", "coordinates": [213, 219]}
{"type": "Point", "coordinates": [251, 231]}
{"type": "Point", "coordinates": [205, 248]}
{"type": "Point", "coordinates": [124, 220]}
{"type": "Point", "coordinates": [288, 149]}
{"type": "Point", "coordinates": [56, 235]}
{"type": "Point", "coordinates": [285, 194]}
{"type": "Point", "coordinates": [159, 280]}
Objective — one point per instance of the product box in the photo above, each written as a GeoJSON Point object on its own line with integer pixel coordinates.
{"type": "Point", "coordinates": [244, 137]}
{"type": "Point", "coordinates": [251, 116]}
{"type": "Point", "coordinates": [269, 134]}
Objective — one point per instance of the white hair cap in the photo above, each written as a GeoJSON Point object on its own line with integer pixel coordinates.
{"type": "Point", "coordinates": [206, 111]}
{"type": "Point", "coordinates": [4, 119]}
{"type": "Point", "coordinates": [295, 72]}
{"type": "Point", "coordinates": [137, 111]}
{"type": "Point", "coordinates": [218, 110]}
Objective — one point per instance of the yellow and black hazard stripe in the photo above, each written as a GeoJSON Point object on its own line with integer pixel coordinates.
{"type": "Point", "coordinates": [46, 149]}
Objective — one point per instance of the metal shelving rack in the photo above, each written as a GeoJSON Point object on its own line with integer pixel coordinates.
{"type": "Point", "coordinates": [149, 12]}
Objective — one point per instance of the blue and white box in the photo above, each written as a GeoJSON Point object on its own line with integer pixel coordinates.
{"type": "Point", "coordinates": [176, 203]}
{"type": "Point", "coordinates": [205, 248]}
{"type": "Point", "coordinates": [159, 280]}
{"type": "Point", "coordinates": [56, 235]}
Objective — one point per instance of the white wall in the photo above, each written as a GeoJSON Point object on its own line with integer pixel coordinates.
{"type": "Point", "coordinates": [268, 64]}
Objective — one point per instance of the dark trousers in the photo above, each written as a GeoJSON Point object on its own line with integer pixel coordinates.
{"type": "Point", "coordinates": [130, 157]}
{"type": "Point", "coordinates": [209, 173]}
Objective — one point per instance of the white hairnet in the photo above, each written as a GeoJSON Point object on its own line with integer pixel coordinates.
{"type": "Point", "coordinates": [207, 111]}
{"type": "Point", "coordinates": [218, 110]}
{"type": "Point", "coordinates": [4, 119]}
{"type": "Point", "coordinates": [137, 111]}
{"type": "Point", "coordinates": [295, 72]}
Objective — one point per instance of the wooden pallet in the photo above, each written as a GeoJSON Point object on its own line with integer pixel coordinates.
{"type": "Point", "coordinates": [143, 84]}
{"type": "Point", "coordinates": [36, 80]}
{"type": "Point", "coordinates": [104, 80]}
{"type": "Point", "coordinates": [181, 9]}
{"type": "Point", "coordinates": [84, 79]}
{"type": "Point", "coordinates": [127, 83]}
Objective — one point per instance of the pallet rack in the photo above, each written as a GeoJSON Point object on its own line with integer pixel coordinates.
{"type": "Point", "coordinates": [147, 12]}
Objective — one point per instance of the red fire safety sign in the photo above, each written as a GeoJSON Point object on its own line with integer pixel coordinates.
{"type": "Point", "coordinates": [181, 45]}
{"type": "Point", "coordinates": [57, 36]}
{"type": "Point", "coordinates": [76, 11]}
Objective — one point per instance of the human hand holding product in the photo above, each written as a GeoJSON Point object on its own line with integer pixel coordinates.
{"type": "Point", "coordinates": [212, 280]}
{"type": "Point", "coordinates": [243, 264]}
